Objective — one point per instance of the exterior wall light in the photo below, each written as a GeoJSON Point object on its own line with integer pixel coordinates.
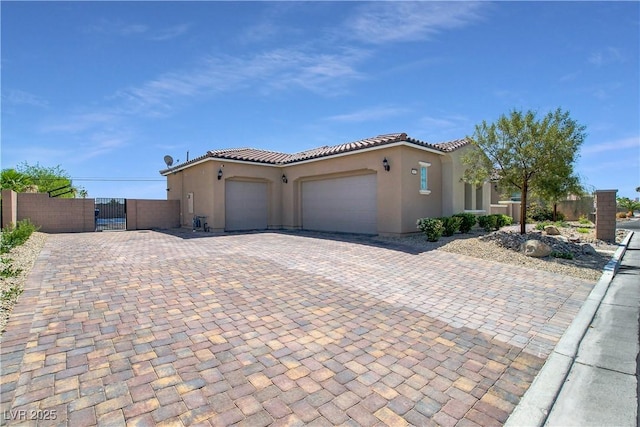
{"type": "Point", "coordinates": [385, 164]}
{"type": "Point", "coordinates": [284, 178]}
{"type": "Point", "coordinates": [414, 171]}
{"type": "Point", "coordinates": [219, 174]}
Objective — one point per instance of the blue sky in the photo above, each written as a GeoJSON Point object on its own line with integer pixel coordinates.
{"type": "Point", "coordinates": [106, 89]}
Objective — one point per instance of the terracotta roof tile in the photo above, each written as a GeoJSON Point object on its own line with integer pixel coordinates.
{"type": "Point", "coordinates": [450, 146]}
{"type": "Point", "coordinates": [249, 155]}
{"type": "Point", "coordinates": [277, 158]}
{"type": "Point", "coordinates": [349, 146]}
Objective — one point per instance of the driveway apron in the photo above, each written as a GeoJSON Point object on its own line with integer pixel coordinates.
{"type": "Point", "coordinates": [150, 328]}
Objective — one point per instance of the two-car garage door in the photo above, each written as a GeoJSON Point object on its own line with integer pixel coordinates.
{"type": "Point", "coordinates": [346, 204]}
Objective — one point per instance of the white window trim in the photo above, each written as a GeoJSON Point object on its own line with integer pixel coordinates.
{"type": "Point", "coordinates": [426, 166]}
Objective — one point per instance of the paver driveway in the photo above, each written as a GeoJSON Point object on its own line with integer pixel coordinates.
{"type": "Point", "coordinates": [145, 328]}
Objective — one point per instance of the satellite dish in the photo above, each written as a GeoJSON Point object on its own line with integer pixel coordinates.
{"type": "Point", "coordinates": [168, 160]}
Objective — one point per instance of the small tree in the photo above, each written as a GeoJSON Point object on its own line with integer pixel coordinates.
{"type": "Point", "coordinates": [628, 204]}
{"type": "Point", "coordinates": [556, 187]}
{"type": "Point", "coordinates": [525, 152]}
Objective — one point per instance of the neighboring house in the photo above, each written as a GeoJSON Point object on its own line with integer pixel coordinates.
{"type": "Point", "coordinates": [379, 185]}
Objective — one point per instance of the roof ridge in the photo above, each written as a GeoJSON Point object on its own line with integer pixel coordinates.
{"type": "Point", "coordinates": [259, 155]}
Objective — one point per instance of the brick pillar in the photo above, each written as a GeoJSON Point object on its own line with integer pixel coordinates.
{"type": "Point", "coordinates": [9, 207]}
{"type": "Point", "coordinates": [606, 215]}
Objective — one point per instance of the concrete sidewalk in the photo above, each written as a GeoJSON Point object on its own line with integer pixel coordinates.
{"type": "Point", "coordinates": [590, 379]}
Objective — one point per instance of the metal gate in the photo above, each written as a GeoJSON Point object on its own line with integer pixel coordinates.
{"type": "Point", "coordinates": [111, 214]}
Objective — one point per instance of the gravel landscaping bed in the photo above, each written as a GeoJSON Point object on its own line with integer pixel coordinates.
{"type": "Point", "coordinates": [504, 246]}
{"type": "Point", "coordinates": [22, 259]}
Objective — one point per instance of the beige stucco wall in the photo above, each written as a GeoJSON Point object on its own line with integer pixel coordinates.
{"type": "Point", "coordinates": [389, 184]}
{"type": "Point", "coordinates": [399, 200]}
{"type": "Point", "coordinates": [9, 207]}
{"type": "Point", "coordinates": [453, 186]}
{"type": "Point", "coordinates": [199, 180]}
{"type": "Point", "coordinates": [209, 193]}
{"type": "Point", "coordinates": [414, 204]}
{"type": "Point", "coordinates": [144, 214]}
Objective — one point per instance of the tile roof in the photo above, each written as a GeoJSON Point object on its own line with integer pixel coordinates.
{"type": "Point", "coordinates": [276, 158]}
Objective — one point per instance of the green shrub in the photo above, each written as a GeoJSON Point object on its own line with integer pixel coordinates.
{"type": "Point", "coordinates": [503, 220]}
{"type": "Point", "coordinates": [431, 227]}
{"type": "Point", "coordinates": [494, 221]}
{"type": "Point", "coordinates": [13, 236]}
{"type": "Point", "coordinates": [450, 225]}
{"type": "Point", "coordinates": [11, 294]}
{"type": "Point", "coordinates": [563, 255]}
{"type": "Point", "coordinates": [468, 220]}
{"type": "Point", "coordinates": [583, 230]}
{"type": "Point", "coordinates": [488, 222]}
{"type": "Point", "coordinates": [537, 213]}
{"type": "Point", "coordinates": [542, 225]}
{"type": "Point", "coordinates": [584, 220]}
{"type": "Point", "coordinates": [7, 270]}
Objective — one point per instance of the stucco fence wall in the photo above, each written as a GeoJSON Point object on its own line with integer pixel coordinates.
{"type": "Point", "coordinates": [55, 215]}
{"type": "Point", "coordinates": [144, 214]}
{"type": "Point", "coordinates": [574, 209]}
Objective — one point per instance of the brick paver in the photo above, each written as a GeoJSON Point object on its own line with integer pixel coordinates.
{"type": "Point", "coordinates": [150, 328]}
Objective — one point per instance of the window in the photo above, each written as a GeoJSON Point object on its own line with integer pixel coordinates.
{"type": "Point", "coordinates": [424, 178]}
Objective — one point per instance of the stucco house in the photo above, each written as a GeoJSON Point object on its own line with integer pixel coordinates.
{"type": "Point", "coordinates": [378, 185]}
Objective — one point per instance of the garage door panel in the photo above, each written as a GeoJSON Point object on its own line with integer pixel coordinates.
{"type": "Point", "coordinates": [245, 205]}
{"type": "Point", "coordinates": [346, 204]}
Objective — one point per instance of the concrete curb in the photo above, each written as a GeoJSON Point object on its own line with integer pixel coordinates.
{"type": "Point", "coordinates": [535, 406]}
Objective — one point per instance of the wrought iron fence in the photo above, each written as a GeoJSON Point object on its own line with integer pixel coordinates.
{"type": "Point", "coordinates": [111, 214]}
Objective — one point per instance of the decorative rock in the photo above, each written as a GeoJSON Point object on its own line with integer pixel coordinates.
{"type": "Point", "coordinates": [573, 239]}
{"type": "Point", "coordinates": [551, 230]}
{"type": "Point", "coordinates": [536, 248]}
{"type": "Point", "coordinates": [562, 239]}
{"type": "Point", "coordinates": [587, 249]}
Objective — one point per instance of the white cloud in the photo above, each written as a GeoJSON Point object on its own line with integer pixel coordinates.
{"type": "Point", "coordinates": [445, 122]}
{"type": "Point", "coordinates": [382, 22]}
{"type": "Point", "coordinates": [20, 97]}
{"type": "Point", "coordinates": [616, 145]}
{"type": "Point", "coordinates": [123, 29]}
{"type": "Point", "coordinates": [101, 143]}
{"type": "Point", "coordinates": [276, 70]}
{"type": "Point", "coordinates": [120, 28]}
{"type": "Point", "coordinates": [76, 123]}
{"type": "Point", "coordinates": [170, 33]}
{"type": "Point", "coordinates": [608, 55]}
{"type": "Point", "coordinates": [368, 114]}
{"type": "Point", "coordinates": [259, 32]}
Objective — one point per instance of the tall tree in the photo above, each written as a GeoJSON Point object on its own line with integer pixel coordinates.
{"type": "Point", "coordinates": [525, 153]}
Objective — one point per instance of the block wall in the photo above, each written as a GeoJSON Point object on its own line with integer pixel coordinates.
{"type": "Point", "coordinates": [54, 215]}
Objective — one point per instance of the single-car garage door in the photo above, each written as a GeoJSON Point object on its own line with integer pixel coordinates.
{"type": "Point", "coordinates": [341, 204]}
{"type": "Point", "coordinates": [245, 205]}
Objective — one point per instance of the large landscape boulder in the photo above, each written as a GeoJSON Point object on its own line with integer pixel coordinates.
{"type": "Point", "coordinates": [551, 230]}
{"type": "Point", "coordinates": [536, 248]}
{"type": "Point", "coordinates": [587, 249]}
